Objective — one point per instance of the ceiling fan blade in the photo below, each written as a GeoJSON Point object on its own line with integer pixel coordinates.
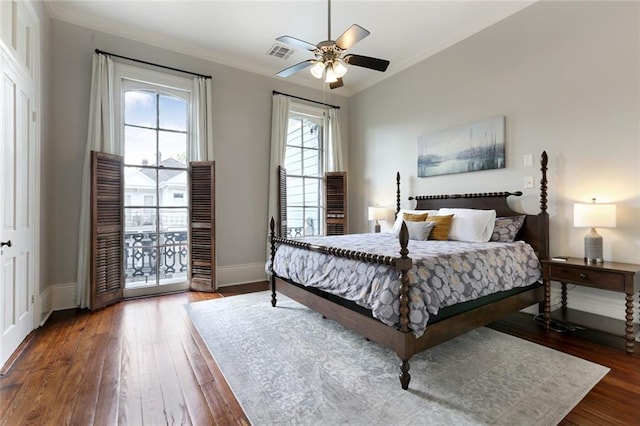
{"type": "Point", "coordinates": [354, 34]}
{"type": "Point", "coordinates": [295, 68]}
{"type": "Point", "coordinates": [296, 42]}
{"type": "Point", "coordinates": [337, 84]}
{"type": "Point", "coordinates": [367, 62]}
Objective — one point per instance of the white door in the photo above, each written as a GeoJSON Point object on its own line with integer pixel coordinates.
{"type": "Point", "coordinates": [18, 183]}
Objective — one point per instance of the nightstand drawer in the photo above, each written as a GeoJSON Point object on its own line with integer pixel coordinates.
{"type": "Point", "coordinates": [590, 278]}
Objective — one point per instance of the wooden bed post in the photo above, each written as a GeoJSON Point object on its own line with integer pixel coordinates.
{"type": "Point", "coordinates": [272, 226]}
{"type": "Point", "coordinates": [404, 264]}
{"type": "Point", "coordinates": [397, 194]}
{"type": "Point", "coordinates": [543, 251]}
{"type": "Point", "coordinates": [544, 160]}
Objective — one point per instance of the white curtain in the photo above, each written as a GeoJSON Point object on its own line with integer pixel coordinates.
{"type": "Point", "coordinates": [279, 129]}
{"type": "Point", "coordinates": [201, 121]}
{"type": "Point", "coordinates": [100, 137]}
{"type": "Point", "coordinates": [334, 156]}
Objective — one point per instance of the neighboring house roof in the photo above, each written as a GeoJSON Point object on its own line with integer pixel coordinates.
{"type": "Point", "coordinates": [135, 178]}
{"type": "Point", "coordinates": [164, 174]}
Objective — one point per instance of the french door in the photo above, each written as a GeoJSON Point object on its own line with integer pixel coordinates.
{"type": "Point", "coordinates": [156, 197]}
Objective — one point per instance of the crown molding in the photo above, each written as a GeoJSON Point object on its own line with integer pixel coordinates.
{"type": "Point", "coordinates": [149, 37]}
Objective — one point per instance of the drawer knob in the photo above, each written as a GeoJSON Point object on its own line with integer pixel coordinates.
{"type": "Point", "coordinates": [583, 275]}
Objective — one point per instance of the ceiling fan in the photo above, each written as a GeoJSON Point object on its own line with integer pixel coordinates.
{"type": "Point", "coordinates": [330, 58]}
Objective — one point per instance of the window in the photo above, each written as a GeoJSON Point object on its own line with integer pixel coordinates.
{"type": "Point", "coordinates": [154, 129]}
{"type": "Point", "coordinates": [304, 162]}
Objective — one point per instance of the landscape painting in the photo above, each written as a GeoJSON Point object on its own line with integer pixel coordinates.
{"type": "Point", "coordinates": [468, 148]}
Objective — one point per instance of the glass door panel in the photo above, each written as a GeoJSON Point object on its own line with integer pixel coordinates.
{"type": "Point", "coordinates": [156, 192]}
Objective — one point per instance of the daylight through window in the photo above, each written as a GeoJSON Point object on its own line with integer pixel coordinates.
{"type": "Point", "coordinates": [155, 132]}
{"type": "Point", "coordinates": [304, 162]}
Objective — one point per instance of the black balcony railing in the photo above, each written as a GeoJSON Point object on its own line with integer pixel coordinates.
{"type": "Point", "coordinates": [144, 258]}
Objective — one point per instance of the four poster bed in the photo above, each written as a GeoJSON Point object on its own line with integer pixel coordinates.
{"type": "Point", "coordinates": [412, 303]}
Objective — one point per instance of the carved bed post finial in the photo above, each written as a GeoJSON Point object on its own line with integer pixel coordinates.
{"type": "Point", "coordinates": [397, 193]}
{"type": "Point", "coordinates": [544, 160]}
{"type": "Point", "coordinates": [272, 226]}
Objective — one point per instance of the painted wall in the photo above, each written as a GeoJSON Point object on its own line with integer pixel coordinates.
{"type": "Point", "coordinates": [242, 131]}
{"type": "Point", "coordinates": [43, 297]}
{"type": "Point", "coordinates": [566, 76]}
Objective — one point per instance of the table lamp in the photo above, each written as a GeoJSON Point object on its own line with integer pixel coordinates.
{"type": "Point", "coordinates": [591, 216]}
{"type": "Point", "coordinates": [377, 213]}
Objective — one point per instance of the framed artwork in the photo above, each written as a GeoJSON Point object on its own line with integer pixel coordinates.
{"type": "Point", "coordinates": [468, 148]}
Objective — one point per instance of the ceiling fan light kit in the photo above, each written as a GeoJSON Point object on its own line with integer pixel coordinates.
{"type": "Point", "coordinates": [329, 63]}
{"type": "Point", "coordinates": [318, 69]}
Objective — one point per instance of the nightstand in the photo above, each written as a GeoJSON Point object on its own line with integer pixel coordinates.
{"type": "Point", "coordinates": [612, 276]}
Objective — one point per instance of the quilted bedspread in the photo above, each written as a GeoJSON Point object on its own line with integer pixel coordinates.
{"type": "Point", "coordinates": [444, 273]}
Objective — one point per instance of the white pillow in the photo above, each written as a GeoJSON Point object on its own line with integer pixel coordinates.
{"type": "Point", "coordinates": [419, 231]}
{"type": "Point", "coordinates": [470, 225]}
{"type": "Point", "coordinates": [395, 230]}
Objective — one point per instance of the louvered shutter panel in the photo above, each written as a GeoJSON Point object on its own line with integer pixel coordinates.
{"type": "Point", "coordinates": [107, 230]}
{"type": "Point", "coordinates": [202, 226]}
{"type": "Point", "coordinates": [282, 202]}
{"type": "Point", "coordinates": [336, 203]}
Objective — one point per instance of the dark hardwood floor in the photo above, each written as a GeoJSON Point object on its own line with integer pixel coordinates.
{"type": "Point", "coordinates": [142, 362]}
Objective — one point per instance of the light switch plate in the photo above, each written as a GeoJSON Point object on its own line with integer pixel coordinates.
{"type": "Point", "coordinates": [528, 181]}
{"type": "Point", "coordinates": [528, 160]}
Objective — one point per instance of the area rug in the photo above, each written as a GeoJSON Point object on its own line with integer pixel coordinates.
{"type": "Point", "coordinates": [289, 366]}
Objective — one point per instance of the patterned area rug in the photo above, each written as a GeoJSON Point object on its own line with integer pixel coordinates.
{"type": "Point", "coordinates": [288, 365]}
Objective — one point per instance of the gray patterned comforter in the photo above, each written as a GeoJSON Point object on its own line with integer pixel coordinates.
{"type": "Point", "coordinates": [444, 273]}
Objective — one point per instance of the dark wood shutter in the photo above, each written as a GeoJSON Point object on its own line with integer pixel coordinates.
{"type": "Point", "coordinates": [282, 202]}
{"type": "Point", "coordinates": [202, 225]}
{"type": "Point", "coordinates": [336, 203]}
{"type": "Point", "coordinates": [107, 230]}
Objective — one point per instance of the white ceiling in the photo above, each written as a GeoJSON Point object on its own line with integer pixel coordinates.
{"type": "Point", "coordinates": [239, 33]}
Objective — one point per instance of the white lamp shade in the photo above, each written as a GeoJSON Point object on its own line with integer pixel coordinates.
{"type": "Point", "coordinates": [330, 76]}
{"type": "Point", "coordinates": [377, 213]}
{"type": "Point", "coordinates": [318, 69]}
{"type": "Point", "coordinates": [594, 215]}
{"type": "Point", "coordinates": [339, 69]}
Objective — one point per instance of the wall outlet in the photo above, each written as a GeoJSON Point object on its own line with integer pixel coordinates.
{"type": "Point", "coordinates": [528, 181]}
{"type": "Point", "coordinates": [528, 160]}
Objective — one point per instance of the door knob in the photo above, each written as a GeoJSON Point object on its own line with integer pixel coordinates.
{"type": "Point", "coordinates": [5, 243]}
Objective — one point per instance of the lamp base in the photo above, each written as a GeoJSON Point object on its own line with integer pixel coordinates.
{"type": "Point", "coordinates": [593, 247]}
{"type": "Point", "coordinates": [376, 227]}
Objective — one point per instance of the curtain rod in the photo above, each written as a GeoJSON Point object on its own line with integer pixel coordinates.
{"type": "Point", "coordinates": [275, 92]}
{"type": "Point", "coordinates": [152, 64]}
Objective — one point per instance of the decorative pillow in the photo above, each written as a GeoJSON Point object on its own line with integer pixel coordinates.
{"type": "Point", "coordinates": [419, 231]}
{"type": "Point", "coordinates": [471, 225]}
{"type": "Point", "coordinates": [395, 230]}
{"type": "Point", "coordinates": [413, 217]}
{"type": "Point", "coordinates": [441, 227]}
{"type": "Point", "coordinates": [506, 228]}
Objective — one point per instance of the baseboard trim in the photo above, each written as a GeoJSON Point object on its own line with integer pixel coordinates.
{"type": "Point", "coordinates": [241, 274]}
{"type": "Point", "coordinates": [63, 296]}
{"type": "Point", "coordinates": [44, 308]}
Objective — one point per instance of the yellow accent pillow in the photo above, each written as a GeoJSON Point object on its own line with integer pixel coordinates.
{"type": "Point", "coordinates": [413, 217]}
{"type": "Point", "coordinates": [441, 228]}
